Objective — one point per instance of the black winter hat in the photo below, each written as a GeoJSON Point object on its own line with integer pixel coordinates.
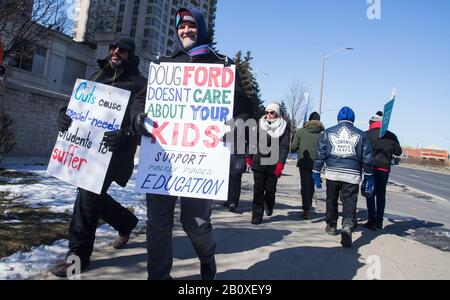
{"type": "Point", "coordinates": [125, 42]}
{"type": "Point", "coordinates": [314, 117]}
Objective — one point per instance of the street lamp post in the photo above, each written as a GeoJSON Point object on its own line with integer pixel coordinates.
{"type": "Point", "coordinates": [323, 74]}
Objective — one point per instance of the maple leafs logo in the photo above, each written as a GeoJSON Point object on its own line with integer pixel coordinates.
{"type": "Point", "coordinates": [344, 143]}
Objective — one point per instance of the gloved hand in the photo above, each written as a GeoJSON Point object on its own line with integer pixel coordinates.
{"type": "Point", "coordinates": [317, 179]}
{"type": "Point", "coordinates": [139, 125]}
{"type": "Point", "coordinates": [249, 161]}
{"type": "Point", "coordinates": [64, 121]}
{"type": "Point", "coordinates": [278, 169]}
{"type": "Point", "coordinates": [117, 139]}
{"type": "Point", "coordinates": [368, 186]}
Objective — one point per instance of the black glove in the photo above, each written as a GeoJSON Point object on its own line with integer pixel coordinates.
{"type": "Point", "coordinates": [139, 125]}
{"type": "Point", "coordinates": [64, 121]}
{"type": "Point", "coordinates": [117, 139]}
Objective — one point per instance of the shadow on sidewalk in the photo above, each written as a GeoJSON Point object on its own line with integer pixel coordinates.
{"type": "Point", "coordinates": [301, 263]}
{"type": "Point", "coordinates": [228, 241]}
{"type": "Point", "coordinates": [232, 240]}
{"type": "Point", "coordinates": [245, 206]}
{"type": "Point", "coordinates": [305, 262]}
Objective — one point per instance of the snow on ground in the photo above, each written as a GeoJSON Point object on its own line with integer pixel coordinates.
{"type": "Point", "coordinates": [59, 197]}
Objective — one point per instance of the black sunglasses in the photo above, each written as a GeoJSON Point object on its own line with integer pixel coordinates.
{"type": "Point", "coordinates": [270, 113]}
{"type": "Point", "coordinates": [115, 47]}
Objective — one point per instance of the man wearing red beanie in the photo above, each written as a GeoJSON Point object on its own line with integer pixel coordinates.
{"type": "Point", "coordinates": [193, 47]}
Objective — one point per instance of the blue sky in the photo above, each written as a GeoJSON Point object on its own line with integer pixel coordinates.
{"type": "Point", "coordinates": [408, 47]}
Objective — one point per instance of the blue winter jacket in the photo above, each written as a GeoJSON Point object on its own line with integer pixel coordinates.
{"type": "Point", "coordinates": [346, 151]}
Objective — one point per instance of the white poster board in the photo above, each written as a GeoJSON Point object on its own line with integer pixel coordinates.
{"type": "Point", "coordinates": [187, 106]}
{"type": "Point", "coordinates": [79, 156]}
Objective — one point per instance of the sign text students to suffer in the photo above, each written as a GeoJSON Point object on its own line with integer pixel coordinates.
{"type": "Point", "coordinates": [79, 156]}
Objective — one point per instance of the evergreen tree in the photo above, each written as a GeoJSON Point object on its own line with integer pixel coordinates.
{"type": "Point", "coordinates": [212, 39]}
{"type": "Point", "coordinates": [285, 115]}
{"type": "Point", "coordinates": [249, 82]}
{"type": "Point", "coordinates": [283, 110]}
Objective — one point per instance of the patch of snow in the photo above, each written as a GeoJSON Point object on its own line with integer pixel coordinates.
{"type": "Point", "coordinates": [59, 197]}
{"type": "Point", "coordinates": [10, 222]}
{"type": "Point", "coordinates": [22, 265]}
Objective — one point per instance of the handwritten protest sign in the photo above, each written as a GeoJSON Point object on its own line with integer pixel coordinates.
{"type": "Point", "coordinates": [79, 156]}
{"type": "Point", "coordinates": [187, 106]}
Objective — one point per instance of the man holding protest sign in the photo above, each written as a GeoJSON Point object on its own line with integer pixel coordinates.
{"type": "Point", "coordinates": [194, 48]}
{"type": "Point", "coordinates": [120, 70]}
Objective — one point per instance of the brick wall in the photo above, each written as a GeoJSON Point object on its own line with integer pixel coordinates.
{"type": "Point", "coordinates": [34, 113]}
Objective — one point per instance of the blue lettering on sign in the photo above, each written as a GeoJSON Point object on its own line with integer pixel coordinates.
{"type": "Point", "coordinates": [199, 186]}
{"type": "Point", "coordinates": [104, 124]}
{"type": "Point", "coordinates": [81, 96]}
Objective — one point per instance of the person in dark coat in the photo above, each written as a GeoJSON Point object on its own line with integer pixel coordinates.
{"type": "Point", "coordinates": [194, 47]}
{"type": "Point", "coordinates": [120, 70]}
{"type": "Point", "coordinates": [305, 142]}
{"type": "Point", "coordinates": [347, 152]}
{"type": "Point", "coordinates": [2, 67]}
{"type": "Point", "coordinates": [276, 132]}
{"type": "Point", "coordinates": [384, 149]}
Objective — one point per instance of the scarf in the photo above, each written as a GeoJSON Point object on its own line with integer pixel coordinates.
{"type": "Point", "coordinates": [200, 50]}
{"type": "Point", "coordinates": [375, 125]}
{"type": "Point", "coordinates": [275, 128]}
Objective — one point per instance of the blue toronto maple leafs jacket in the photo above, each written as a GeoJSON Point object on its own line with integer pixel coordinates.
{"type": "Point", "coordinates": [346, 151]}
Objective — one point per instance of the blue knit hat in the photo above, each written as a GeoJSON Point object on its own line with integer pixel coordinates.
{"type": "Point", "coordinates": [346, 114]}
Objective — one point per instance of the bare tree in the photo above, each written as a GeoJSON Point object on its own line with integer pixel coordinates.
{"type": "Point", "coordinates": [295, 99]}
{"type": "Point", "coordinates": [24, 23]}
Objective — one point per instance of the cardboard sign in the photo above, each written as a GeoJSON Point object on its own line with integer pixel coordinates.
{"type": "Point", "coordinates": [187, 106]}
{"type": "Point", "coordinates": [387, 113]}
{"type": "Point", "coordinates": [79, 156]}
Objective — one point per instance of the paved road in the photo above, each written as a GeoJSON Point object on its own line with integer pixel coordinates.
{"type": "Point", "coordinates": [429, 182]}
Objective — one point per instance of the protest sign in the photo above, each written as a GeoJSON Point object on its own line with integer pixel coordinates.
{"type": "Point", "coordinates": [187, 106]}
{"type": "Point", "coordinates": [387, 114]}
{"type": "Point", "coordinates": [79, 156]}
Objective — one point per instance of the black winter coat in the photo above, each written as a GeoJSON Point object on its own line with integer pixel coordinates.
{"type": "Point", "coordinates": [283, 144]}
{"type": "Point", "coordinates": [384, 148]}
{"type": "Point", "coordinates": [127, 77]}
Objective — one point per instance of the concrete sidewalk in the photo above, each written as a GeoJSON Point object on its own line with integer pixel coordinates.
{"type": "Point", "coordinates": [287, 247]}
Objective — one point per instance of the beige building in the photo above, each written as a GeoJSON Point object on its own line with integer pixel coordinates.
{"type": "Point", "coordinates": [52, 65]}
{"type": "Point", "coordinates": [150, 22]}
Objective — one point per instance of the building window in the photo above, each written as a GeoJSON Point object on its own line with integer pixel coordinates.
{"type": "Point", "coordinates": [144, 44]}
{"type": "Point", "coordinates": [29, 59]}
{"type": "Point", "coordinates": [39, 58]}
